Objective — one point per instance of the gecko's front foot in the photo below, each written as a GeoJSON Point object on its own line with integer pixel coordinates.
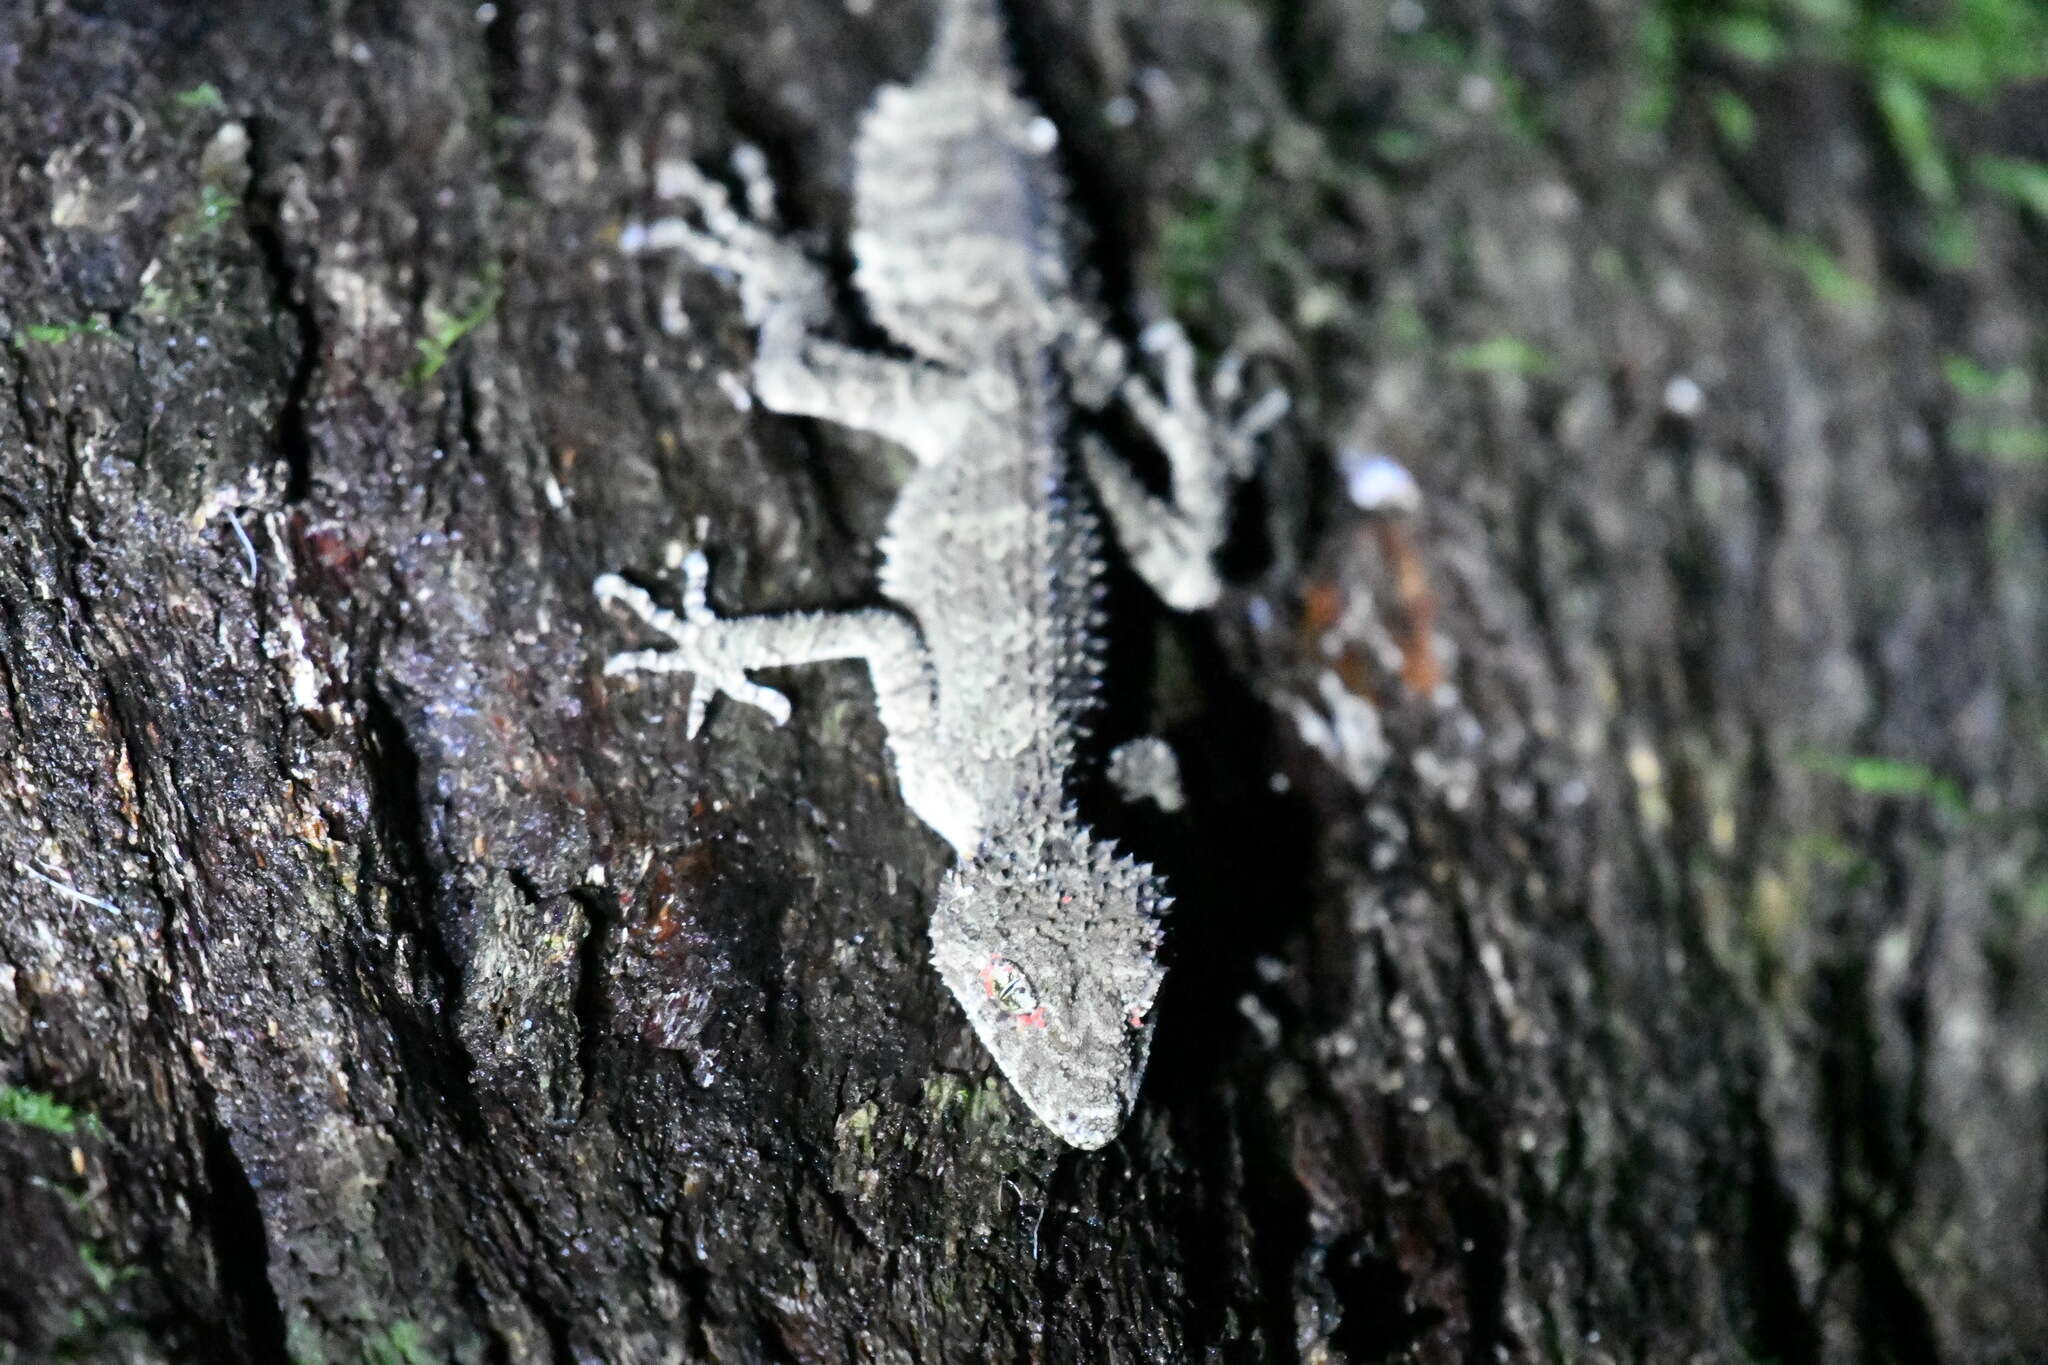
{"type": "Point", "coordinates": [774, 277]}
{"type": "Point", "coordinates": [704, 645]}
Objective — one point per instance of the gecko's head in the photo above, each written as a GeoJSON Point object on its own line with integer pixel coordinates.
{"type": "Point", "coordinates": [1050, 943]}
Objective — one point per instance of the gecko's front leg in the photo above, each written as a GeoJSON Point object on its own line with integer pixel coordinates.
{"type": "Point", "coordinates": [786, 297]}
{"type": "Point", "coordinates": [719, 651]}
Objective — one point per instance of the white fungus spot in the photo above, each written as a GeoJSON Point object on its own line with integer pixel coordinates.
{"type": "Point", "coordinates": [1683, 397]}
{"type": "Point", "coordinates": [1377, 482]}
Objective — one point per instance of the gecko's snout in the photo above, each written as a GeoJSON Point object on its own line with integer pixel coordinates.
{"type": "Point", "coordinates": [1049, 942]}
{"type": "Point", "coordinates": [1091, 1127]}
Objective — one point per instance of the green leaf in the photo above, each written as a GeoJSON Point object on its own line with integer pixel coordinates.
{"type": "Point", "coordinates": [1194, 244]}
{"type": "Point", "coordinates": [1751, 37]}
{"type": "Point", "coordinates": [2024, 182]}
{"type": "Point", "coordinates": [104, 1276]}
{"type": "Point", "coordinates": [1910, 120]}
{"type": "Point", "coordinates": [1398, 145]}
{"type": "Point", "coordinates": [1952, 240]}
{"type": "Point", "coordinates": [1971, 380]}
{"type": "Point", "coordinates": [1876, 776]}
{"type": "Point", "coordinates": [1405, 327]}
{"type": "Point", "coordinates": [2009, 442]}
{"type": "Point", "coordinates": [1827, 277]}
{"type": "Point", "coordinates": [1735, 119]}
{"type": "Point", "coordinates": [446, 330]}
{"type": "Point", "coordinates": [1932, 58]}
{"type": "Point", "coordinates": [1827, 14]}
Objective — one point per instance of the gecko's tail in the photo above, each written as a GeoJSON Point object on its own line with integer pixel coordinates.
{"type": "Point", "coordinates": [970, 39]}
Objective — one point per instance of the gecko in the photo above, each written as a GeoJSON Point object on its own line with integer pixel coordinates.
{"type": "Point", "coordinates": [986, 657]}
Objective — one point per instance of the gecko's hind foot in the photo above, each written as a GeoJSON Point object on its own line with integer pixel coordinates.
{"type": "Point", "coordinates": [1184, 415]}
{"type": "Point", "coordinates": [1172, 542]}
{"type": "Point", "coordinates": [703, 646]}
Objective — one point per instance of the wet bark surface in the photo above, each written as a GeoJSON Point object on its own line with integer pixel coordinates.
{"type": "Point", "coordinates": [1613, 911]}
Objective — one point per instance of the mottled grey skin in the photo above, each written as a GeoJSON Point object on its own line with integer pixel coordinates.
{"type": "Point", "coordinates": [986, 673]}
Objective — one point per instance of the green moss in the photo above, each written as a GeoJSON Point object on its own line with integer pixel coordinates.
{"type": "Point", "coordinates": [856, 1129]}
{"type": "Point", "coordinates": [34, 1109]}
{"type": "Point", "coordinates": [1194, 242]}
{"type": "Point", "coordinates": [942, 1092]}
{"type": "Point", "coordinates": [986, 1102]}
{"type": "Point", "coordinates": [1501, 355]}
{"type": "Point", "coordinates": [203, 97]}
{"type": "Point", "coordinates": [58, 333]}
{"type": "Point", "coordinates": [216, 206]}
{"type": "Point", "coordinates": [398, 1344]}
{"type": "Point", "coordinates": [104, 1276]}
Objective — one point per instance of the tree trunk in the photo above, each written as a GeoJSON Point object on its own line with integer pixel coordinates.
{"type": "Point", "coordinates": [1613, 912]}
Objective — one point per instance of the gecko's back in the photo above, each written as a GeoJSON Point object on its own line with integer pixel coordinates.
{"type": "Point", "coordinates": [957, 233]}
{"type": "Point", "coordinates": [992, 545]}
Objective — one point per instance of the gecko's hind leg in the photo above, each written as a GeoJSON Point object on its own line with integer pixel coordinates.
{"type": "Point", "coordinates": [719, 651]}
{"type": "Point", "coordinates": [787, 298]}
{"type": "Point", "coordinates": [1172, 542]}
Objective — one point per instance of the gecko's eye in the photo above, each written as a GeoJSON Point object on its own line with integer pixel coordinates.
{"type": "Point", "coordinates": [1007, 985]}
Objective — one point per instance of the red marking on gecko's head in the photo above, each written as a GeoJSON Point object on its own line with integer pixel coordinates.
{"type": "Point", "coordinates": [1035, 1019]}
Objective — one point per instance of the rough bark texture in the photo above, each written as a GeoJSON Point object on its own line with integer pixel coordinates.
{"type": "Point", "coordinates": [1560, 974]}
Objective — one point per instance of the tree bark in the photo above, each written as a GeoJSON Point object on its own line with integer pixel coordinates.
{"type": "Point", "coordinates": [1613, 913]}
